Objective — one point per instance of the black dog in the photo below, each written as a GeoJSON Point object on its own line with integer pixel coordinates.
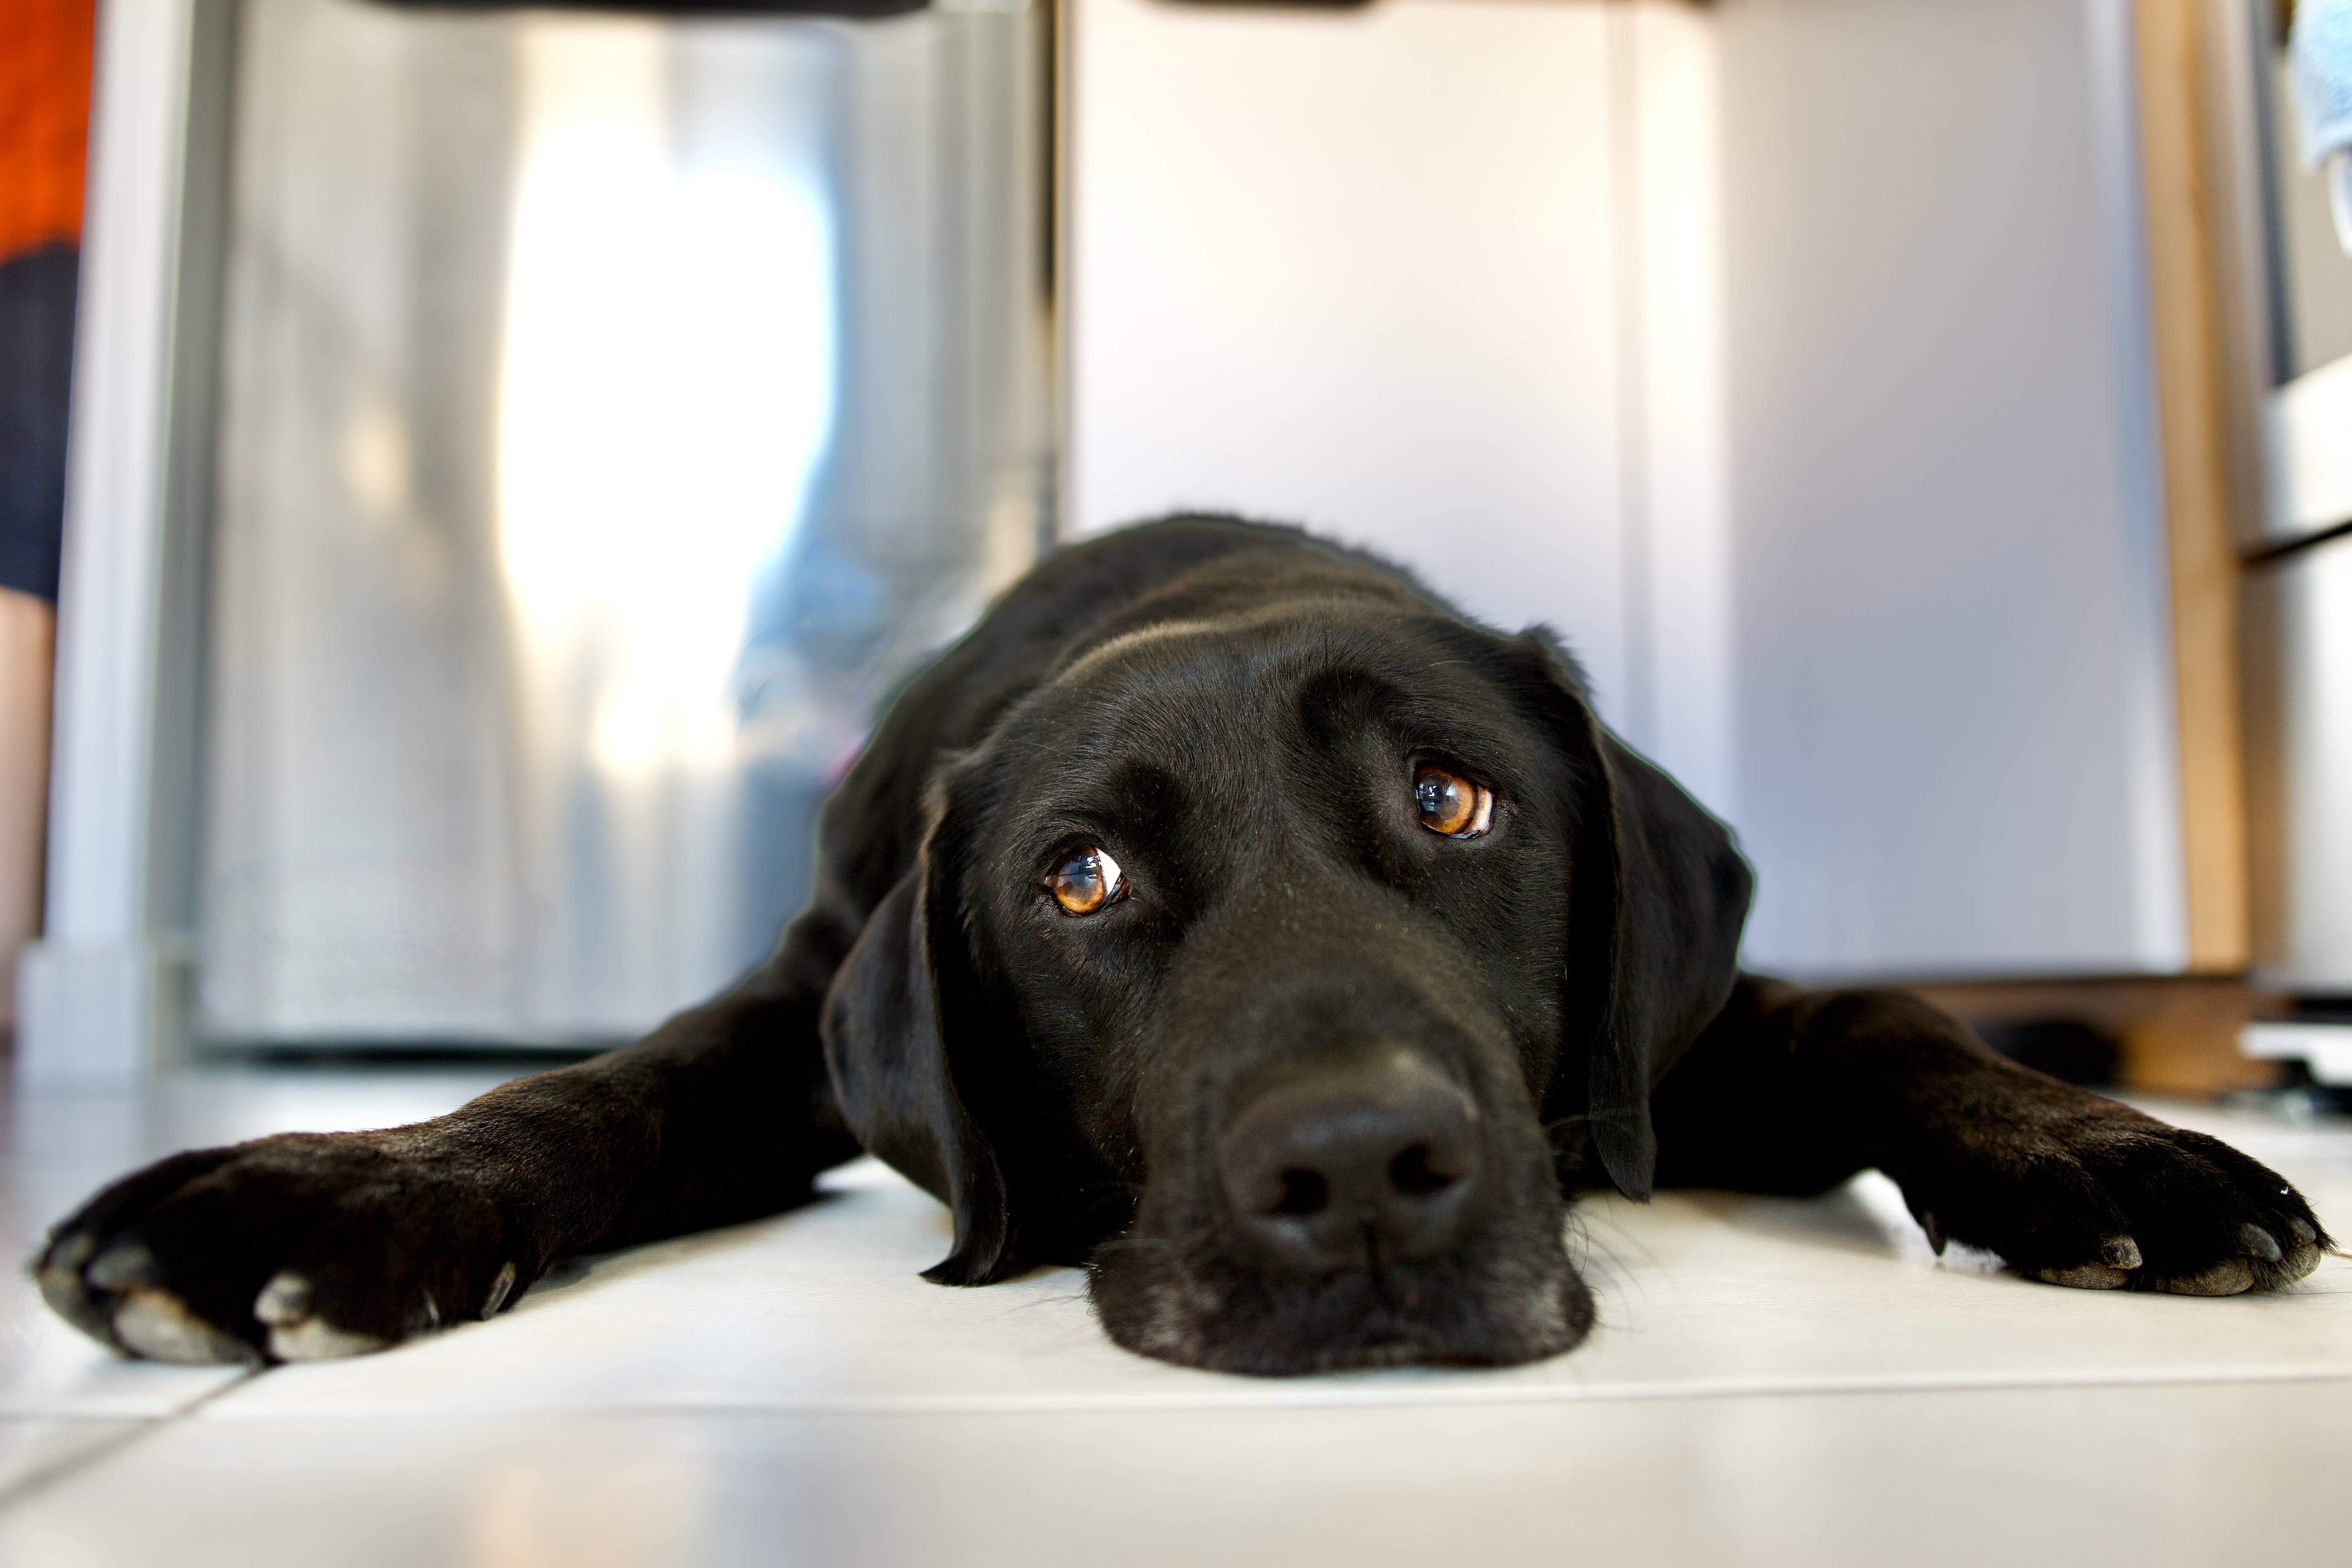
{"type": "Point", "coordinates": [1228, 915]}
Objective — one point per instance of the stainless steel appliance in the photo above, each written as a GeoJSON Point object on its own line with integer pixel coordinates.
{"type": "Point", "coordinates": [2301, 583]}
{"type": "Point", "coordinates": [522, 447]}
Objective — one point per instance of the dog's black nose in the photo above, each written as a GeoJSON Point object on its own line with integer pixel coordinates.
{"type": "Point", "coordinates": [1351, 1168]}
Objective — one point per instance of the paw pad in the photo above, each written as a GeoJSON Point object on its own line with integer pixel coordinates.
{"type": "Point", "coordinates": [2230, 1276]}
{"type": "Point", "coordinates": [2086, 1276]}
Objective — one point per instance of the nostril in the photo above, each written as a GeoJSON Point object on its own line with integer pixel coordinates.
{"type": "Point", "coordinates": [1303, 1193]}
{"type": "Point", "coordinates": [1412, 1173]}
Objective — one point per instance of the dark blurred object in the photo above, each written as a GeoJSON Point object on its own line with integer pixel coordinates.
{"type": "Point", "coordinates": [2312, 1084]}
{"type": "Point", "coordinates": [2068, 1051]}
{"type": "Point", "coordinates": [2320, 1009]}
{"type": "Point", "coordinates": [37, 316]}
{"type": "Point", "coordinates": [2298, 1097]}
{"type": "Point", "coordinates": [2177, 1034]}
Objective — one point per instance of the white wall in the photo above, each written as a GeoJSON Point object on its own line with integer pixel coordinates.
{"type": "Point", "coordinates": [1433, 276]}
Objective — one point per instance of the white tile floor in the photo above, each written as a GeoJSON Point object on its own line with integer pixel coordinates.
{"type": "Point", "coordinates": [1773, 1381]}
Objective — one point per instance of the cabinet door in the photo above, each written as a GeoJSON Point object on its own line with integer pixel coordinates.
{"type": "Point", "coordinates": [2307, 943]}
{"type": "Point", "coordinates": [1791, 356]}
{"type": "Point", "coordinates": [1956, 733]}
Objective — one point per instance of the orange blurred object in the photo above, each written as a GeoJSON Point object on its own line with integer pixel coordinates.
{"type": "Point", "coordinates": [45, 63]}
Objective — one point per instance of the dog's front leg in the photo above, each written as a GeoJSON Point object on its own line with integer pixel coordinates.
{"type": "Point", "coordinates": [312, 1245]}
{"type": "Point", "coordinates": [1791, 1090]}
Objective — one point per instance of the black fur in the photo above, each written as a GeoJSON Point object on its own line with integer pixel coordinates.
{"type": "Point", "coordinates": [1234, 711]}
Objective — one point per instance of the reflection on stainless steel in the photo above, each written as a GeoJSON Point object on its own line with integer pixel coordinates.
{"type": "Point", "coordinates": [2313, 275]}
{"type": "Point", "coordinates": [613, 409]}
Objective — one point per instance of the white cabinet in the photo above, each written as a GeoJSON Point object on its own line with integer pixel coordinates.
{"type": "Point", "coordinates": [1955, 713]}
{"type": "Point", "coordinates": [1791, 356]}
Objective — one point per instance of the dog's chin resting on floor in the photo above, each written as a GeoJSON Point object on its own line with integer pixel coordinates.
{"type": "Point", "coordinates": [1228, 915]}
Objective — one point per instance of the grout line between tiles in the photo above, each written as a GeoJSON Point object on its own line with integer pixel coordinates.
{"type": "Point", "coordinates": [137, 1429]}
{"type": "Point", "coordinates": [83, 1405]}
{"type": "Point", "coordinates": [43, 1476]}
{"type": "Point", "coordinates": [1117, 1404]}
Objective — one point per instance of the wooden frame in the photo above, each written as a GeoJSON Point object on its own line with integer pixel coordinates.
{"type": "Point", "coordinates": [2194, 62]}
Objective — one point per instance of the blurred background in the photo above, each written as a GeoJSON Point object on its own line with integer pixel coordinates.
{"type": "Point", "coordinates": [482, 469]}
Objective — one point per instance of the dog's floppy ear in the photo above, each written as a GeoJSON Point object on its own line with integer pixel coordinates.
{"type": "Point", "coordinates": [1658, 894]}
{"type": "Point", "coordinates": [904, 993]}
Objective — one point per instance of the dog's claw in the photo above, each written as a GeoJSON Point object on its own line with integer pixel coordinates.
{"type": "Point", "coordinates": [2260, 1242]}
{"type": "Point", "coordinates": [499, 1288]}
{"type": "Point", "coordinates": [159, 1325]}
{"type": "Point", "coordinates": [2119, 1252]}
{"type": "Point", "coordinates": [1934, 1229]}
{"type": "Point", "coordinates": [285, 1300]}
{"type": "Point", "coordinates": [2304, 1231]}
{"type": "Point", "coordinates": [313, 1338]}
{"type": "Point", "coordinates": [58, 1273]}
{"type": "Point", "coordinates": [125, 1265]}
{"type": "Point", "coordinates": [70, 1252]}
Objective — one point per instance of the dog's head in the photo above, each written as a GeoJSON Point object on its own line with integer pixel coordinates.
{"type": "Point", "coordinates": [1284, 960]}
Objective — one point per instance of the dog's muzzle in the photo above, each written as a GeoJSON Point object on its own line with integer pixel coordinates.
{"type": "Point", "coordinates": [1361, 1206]}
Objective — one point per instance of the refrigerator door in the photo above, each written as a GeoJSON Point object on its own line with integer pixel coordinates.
{"type": "Point", "coordinates": [612, 410]}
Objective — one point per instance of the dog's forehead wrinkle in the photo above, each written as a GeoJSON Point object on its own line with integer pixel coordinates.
{"type": "Point", "coordinates": [1276, 643]}
{"type": "Point", "coordinates": [1214, 705]}
{"type": "Point", "coordinates": [1284, 622]}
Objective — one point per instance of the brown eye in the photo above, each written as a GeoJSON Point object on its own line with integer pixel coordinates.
{"type": "Point", "coordinates": [1086, 880]}
{"type": "Point", "coordinates": [1450, 804]}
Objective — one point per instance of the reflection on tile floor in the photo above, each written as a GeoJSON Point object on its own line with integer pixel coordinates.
{"type": "Point", "coordinates": [1773, 1380]}
{"type": "Point", "coordinates": [2156, 1477]}
{"type": "Point", "coordinates": [32, 1448]}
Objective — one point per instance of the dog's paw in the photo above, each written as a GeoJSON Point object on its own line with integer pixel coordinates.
{"type": "Point", "coordinates": [297, 1248]}
{"type": "Point", "coordinates": [2109, 1199]}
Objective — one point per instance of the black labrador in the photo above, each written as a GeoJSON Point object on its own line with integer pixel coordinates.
{"type": "Point", "coordinates": [1227, 915]}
